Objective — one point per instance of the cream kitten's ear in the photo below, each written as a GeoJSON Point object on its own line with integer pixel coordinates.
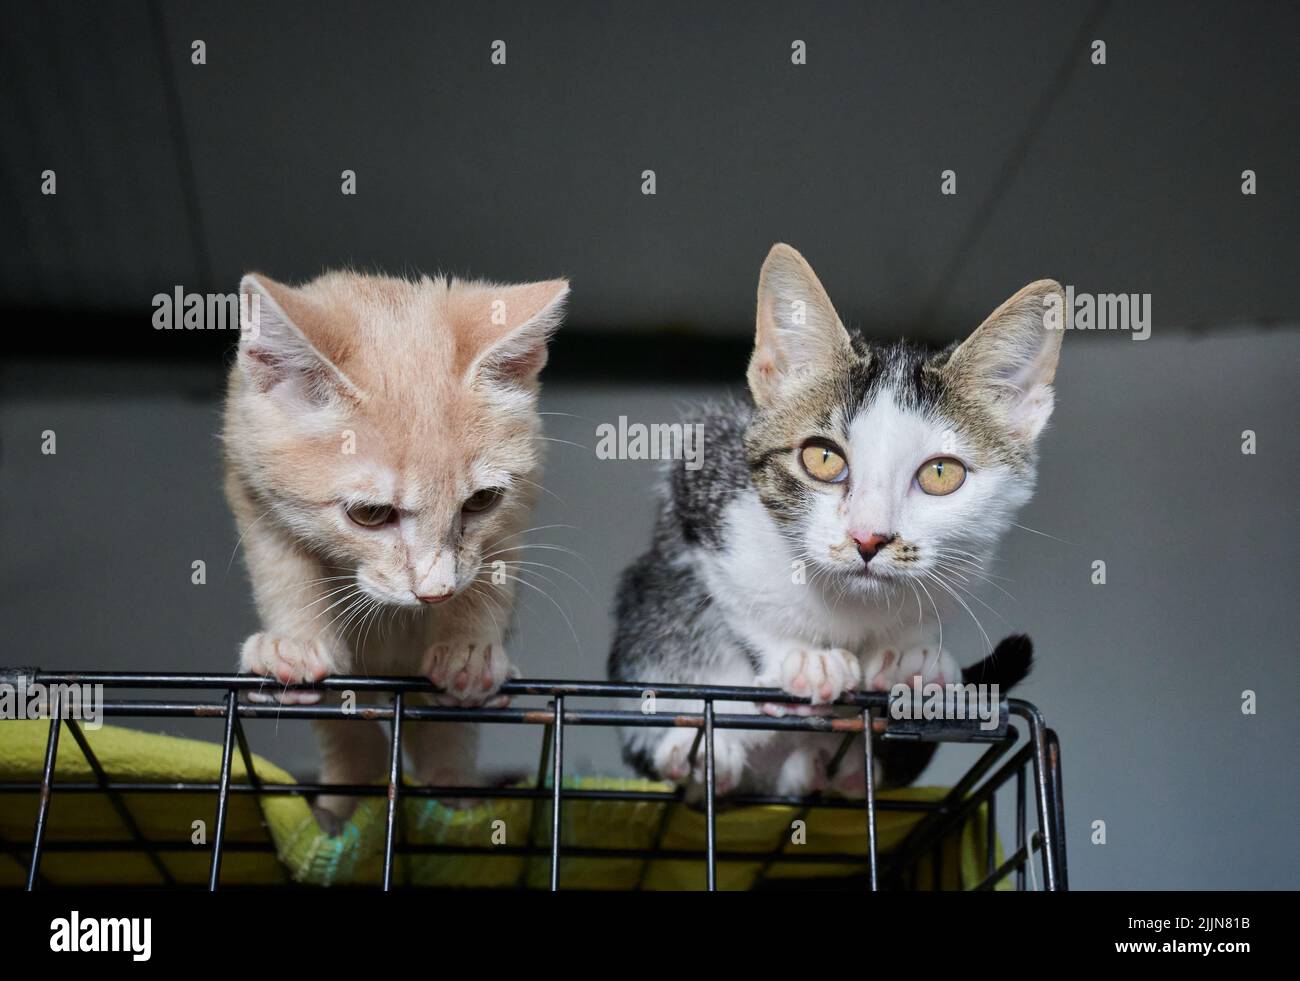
{"type": "Point", "coordinates": [274, 347]}
{"type": "Point", "coordinates": [507, 329]}
{"type": "Point", "coordinates": [1011, 358]}
{"type": "Point", "coordinates": [797, 328]}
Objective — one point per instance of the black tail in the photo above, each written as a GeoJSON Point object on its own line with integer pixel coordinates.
{"type": "Point", "coordinates": [1006, 667]}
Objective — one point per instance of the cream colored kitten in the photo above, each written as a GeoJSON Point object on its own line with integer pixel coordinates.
{"type": "Point", "coordinates": [382, 449]}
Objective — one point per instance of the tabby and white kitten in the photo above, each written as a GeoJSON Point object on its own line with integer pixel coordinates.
{"type": "Point", "coordinates": [382, 455]}
{"type": "Point", "coordinates": [813, 549]}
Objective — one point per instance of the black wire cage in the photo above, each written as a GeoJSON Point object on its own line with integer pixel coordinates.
{"type": "Point", "coordinates": [1029, 759]}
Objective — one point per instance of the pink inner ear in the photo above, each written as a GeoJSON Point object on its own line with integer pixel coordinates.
{"type": "Point", "coordinates": [528, 361]}
{"type": "Point", "coordinates": [292, 345]}
{"type": "Point", "coordinates": [503, 329]}
{"type": "Point", "coordinates": [516, 358]}
{"type": "Point", "coordinates": [1031, 413]}
{"type": "Point", "coordinates": [264, 367]}
{"type": "Point", "coordinates": [311, 382]}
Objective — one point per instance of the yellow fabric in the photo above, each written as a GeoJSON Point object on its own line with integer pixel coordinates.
{"type": "Point", "coordinates": [307, 855]}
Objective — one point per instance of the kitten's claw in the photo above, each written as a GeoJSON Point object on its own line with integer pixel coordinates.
{"type": "Point", "coordinates": [891, 667]}
{"type": "Point", "coordinates": [818, 675]}
{"type": "Point", "coordinates": [284, 661]}
{"type": "Point", "coordinates": [469, 674]}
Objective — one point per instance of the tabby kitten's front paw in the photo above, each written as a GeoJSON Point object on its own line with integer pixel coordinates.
{"type": "Point", "coordinates": [818, 675]}
{"type": "Point", "coordinates": [469, 674]}
{"type": "Point", "coordinates": [891, 667]}
{"type": "Point", "coordinates": [288, 661]}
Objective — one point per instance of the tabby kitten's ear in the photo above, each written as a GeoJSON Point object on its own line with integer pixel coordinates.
{"type": "Point", "coordinates": [506, 329]}
{"type": "Point", "coordinates": [797, 329]}
{"type": "Point", "coordinates": [1010, 359]}
{"type": "Point", "coordinates": [283, 343]}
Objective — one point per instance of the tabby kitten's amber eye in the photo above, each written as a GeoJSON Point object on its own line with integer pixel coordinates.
{"type": "Point", "coordinates": [483, 500]}
{"type": "Point", "coordinates": [372, 515]}
{"type": "Point", "coordinates": [941, 476]}
{"type": "Point", "coordinates": [824, 463]}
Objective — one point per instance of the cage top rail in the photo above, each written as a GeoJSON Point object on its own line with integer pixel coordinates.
{"type": "Point", "coordinates": [385, 684]}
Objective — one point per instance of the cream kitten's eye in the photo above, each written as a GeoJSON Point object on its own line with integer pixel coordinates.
{"type": "Point", "coordinates": [372, 515]}
{"type": "Point", "coordinates": [824, 462]}
{"type": "Point", "coordinates": [483, 500]}
{"type": "Point", "coordinates": [941, 476]}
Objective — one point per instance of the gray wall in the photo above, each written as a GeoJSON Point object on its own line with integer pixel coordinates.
{"type": "Point", "coordinates": [1117, 177]}
{"type": "Point", "coordinates": [1142, 676]}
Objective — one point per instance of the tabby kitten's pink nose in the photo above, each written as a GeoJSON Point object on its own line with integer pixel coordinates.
{"type": "Point", "coordinates": [869, 545]}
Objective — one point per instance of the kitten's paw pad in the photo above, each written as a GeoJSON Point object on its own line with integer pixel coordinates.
{"type": "Point", "coordinates": [819, 675]}
{"type": "Point", "coordinates": [469, 674]}
{"type": "Point", "coordinates": [284, 661]}
{"type": "Point", "coordinates": [893, 667]}
{"type": "Point", "coordinates": [672, 759]}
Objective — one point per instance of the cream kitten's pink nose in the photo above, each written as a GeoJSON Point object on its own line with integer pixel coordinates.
{"type": "Point", "coordinates": [436, 581]}
{"type": "Point", "coordinates": [870, 544]}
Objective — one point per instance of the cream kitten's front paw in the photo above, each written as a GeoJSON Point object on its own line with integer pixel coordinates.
{"type": "Point", "coordinates": [469, 673]}
{"type": "Point", "coordinates": [288, 661]}
{"type": "Point", "coordinates": [672, 758]}
{"type": "Point", "coordinates": [891, 667]}
{"type": "Point", "coordinates": [819, 675]}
